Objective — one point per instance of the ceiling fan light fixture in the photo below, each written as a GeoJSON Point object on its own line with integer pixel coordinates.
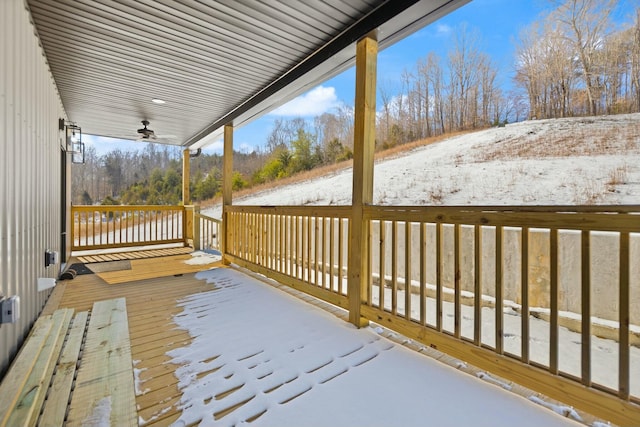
{"type": "Point", "coordinates": [158, 101]}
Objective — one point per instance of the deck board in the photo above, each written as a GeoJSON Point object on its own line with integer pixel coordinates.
{"type": "Point", "coordinates": [55, 407]}
{"type": "Point", "coordinates": [105, 380]}
{"type": "Point", "coordinates": [33, 393]}
{"type": "Point", "coordinates": [152, 253]}
{"type": "Point", "coordinates": [149, 268]}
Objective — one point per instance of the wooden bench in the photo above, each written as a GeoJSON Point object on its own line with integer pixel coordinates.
{"type": "Point", "coordinates": [60, 376]}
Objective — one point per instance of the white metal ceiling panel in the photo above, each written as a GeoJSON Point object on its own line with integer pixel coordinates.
{"type": "Point", "coordinates": [213, 62]}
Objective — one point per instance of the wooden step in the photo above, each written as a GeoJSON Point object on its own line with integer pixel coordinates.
{"type": "Point", "coordinates": [105, 384]}
{"type": "Point", "coordinates": [55, 407]}
{"type": "Point", "coordinates": [25, 385]}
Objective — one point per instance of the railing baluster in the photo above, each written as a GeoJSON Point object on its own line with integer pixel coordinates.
{"type": "Point", "coordinates": [241, 230]}
{"type": "Point", "coordinates": [585, 366]}
{"type": "Point", "coordinates": [498, 289]}
{"type": "Point", "coordinates": [438, 276]}
{"type": "Point", "coordinates": [317, 237]}
{"type": "Point", "coordinates": [623, 341]}
{"type": "Point", "coordinates": [524, 279]}
{"type": "Point", "coordinates": [323, 246]}
{"type": "Point", "coordinates": [276, 242]}
{"type": "Point", "coordinates": [260, 246]}
{"type": "Point", "coordinates": [407, 270]}
{"type": "Point", "coordinates": [553, 303]}
{"type": "Point", "coordinates": [255, 250]}
{"type": "Point", "coordinates": [383, 262]}
{"type": "Point", "coordinates": [304, 230]}
{"type": "Point", "coordinates": [340, 255]}
{"type": "Point", "coordinates": [423, 273]}
{"type": "Point", "coordinates": [266, 225]}
{"type": "Point", "coordinates": [284, 244]}
{"type": "Point", "coordinates": [273, 242]}
{"type": "Point", "coordinates": [332, 242]}
{"type": "Point", "coordinates": [288, 222]}
{"type": "Point", "coordinates": [280, 245]}
{"type": "Point", "coordinates": [105, 213]}
{"type": "Point", "coordinates": [456, 281]}
{"type": "Point", "coordinates": [309, 248]}
{"type": "Point", "coordinates": [301, 253]}
{"type": "Point", "coordinates": [394, 267]}
{"type": "Point", "coordinates": [477, 285]}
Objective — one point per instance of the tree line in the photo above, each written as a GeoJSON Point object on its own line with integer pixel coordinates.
{"type": "Point", "coordinates": [576, 61]}
{"type": "Point", "coordinates": [572, 61]}
{"type": "Point", "coordinates": [153, 175]}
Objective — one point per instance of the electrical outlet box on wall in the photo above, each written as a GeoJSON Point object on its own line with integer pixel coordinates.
{"type": "Point", "coordinates": [10, 310]}
{"type": "Point", "coordinates": [51, 258]}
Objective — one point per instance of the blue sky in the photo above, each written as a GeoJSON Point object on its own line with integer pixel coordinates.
{"type": "Point", "coordinates": [498, 23]}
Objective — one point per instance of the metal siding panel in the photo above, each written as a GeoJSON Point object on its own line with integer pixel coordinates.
{"type": "Point", "coordinates": [29, 214]}
{"type": "Point", "coordinates": [5, 31]}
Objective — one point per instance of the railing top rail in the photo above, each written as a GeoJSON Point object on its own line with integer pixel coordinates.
{"type": "Point", "coordinates": [209, 218]}
{"type": "Point", "coordinates": [513, 208]}
{"type": "Point", "coordinates": [321, 211]}
{"type": "Point", "coordinates": [604, 219]}
{"type": "Point", "coordinates": [115, 208]}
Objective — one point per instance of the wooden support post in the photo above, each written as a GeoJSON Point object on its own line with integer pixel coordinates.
{"type": "Point", "coordinates": [363, 150]}
{"type": "Point", "coordinates": [195, 230]}
{"type": "Point", "coordinates": [186, 174]}
{"type": "Point", "coordinates": [227, 189]}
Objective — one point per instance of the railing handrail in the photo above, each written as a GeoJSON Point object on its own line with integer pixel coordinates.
{"type": "Point", "coordinates": [207, 217]}
{"type": "Point", "coordinates": [115, 208]}
{"type": "Point", "coordinates": [580, 218]}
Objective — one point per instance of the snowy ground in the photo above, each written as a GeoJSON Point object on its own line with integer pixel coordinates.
{"type": "Point", "coordinates": [543, 162]}
{"type": "Point", "coordinates": [286, 363]}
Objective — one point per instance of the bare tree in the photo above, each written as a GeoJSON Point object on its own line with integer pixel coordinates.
{"type": "Point", "coordinates": [464, 61]}
{"type": "Point", "coordinates": [635, 60]}
{"type": "Point", "coordinates": [585, 23]}
{"type": "Point", "coordinates": [545, 68]}
{"type": "Point", "coordinates": [384, 122]}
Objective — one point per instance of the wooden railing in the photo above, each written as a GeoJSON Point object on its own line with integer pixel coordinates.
{"type": "Point", "coordinates": [500, 288]}
{"type": "Point", "coordinates": [305, 248]}
{"type": "Point", "coordinates": [102, 227]}
{"type": "Point", "coordinates": [206, 235]}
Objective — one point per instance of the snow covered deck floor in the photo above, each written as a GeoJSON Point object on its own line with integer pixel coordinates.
{"type": "Point", "coordinates": [220, 347]}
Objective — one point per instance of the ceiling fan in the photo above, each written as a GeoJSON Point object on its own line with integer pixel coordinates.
{"type": "Point", "coordinates": [145, 133]}
{"type": "Point", "coordinates": [148, 135]}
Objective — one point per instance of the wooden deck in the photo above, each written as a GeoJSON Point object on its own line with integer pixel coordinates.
{"type": "Point", "coordinates": [150, 305]}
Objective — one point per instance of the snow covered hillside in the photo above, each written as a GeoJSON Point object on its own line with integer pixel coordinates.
{"type": "Point", "coordinates": [586, 160]}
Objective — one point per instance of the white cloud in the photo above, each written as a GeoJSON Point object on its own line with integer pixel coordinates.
{"type": "Point", "coordinates": [216, 147]}
{"type": "Point", "coordinates": [245, 148]}
{"type": "Point", "coordinates": [313, 103]}
{"type": "Point", "coordinates": [443, 29]}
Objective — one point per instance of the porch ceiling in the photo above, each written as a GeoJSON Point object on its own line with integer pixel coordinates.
{"type": "Point", "coordinates": [213, 62]}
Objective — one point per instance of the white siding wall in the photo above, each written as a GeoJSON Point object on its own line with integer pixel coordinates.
{"type": "Point", "coordinates": [30, 171]}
